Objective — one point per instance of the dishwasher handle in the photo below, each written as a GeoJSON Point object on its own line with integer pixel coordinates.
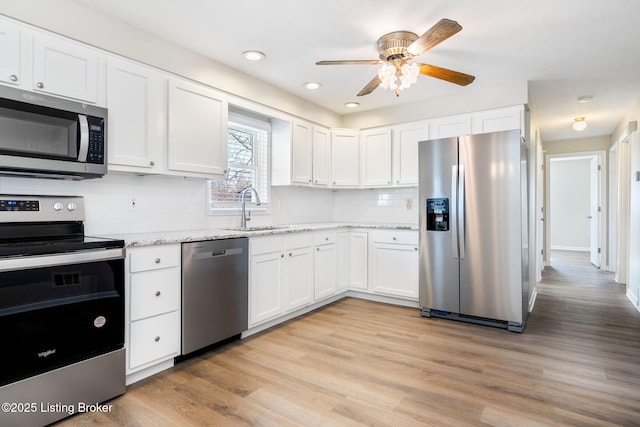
{"type": "Point", "coordinates": [218, 253]}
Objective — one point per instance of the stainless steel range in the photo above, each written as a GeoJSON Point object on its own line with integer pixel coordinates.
{"type": "Point", "coordinates": [61, 312]}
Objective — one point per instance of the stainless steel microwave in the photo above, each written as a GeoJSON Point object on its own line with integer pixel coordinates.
{"type": "Point", "coordinates": [44, 136]}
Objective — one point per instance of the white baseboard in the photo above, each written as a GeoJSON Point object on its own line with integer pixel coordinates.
{"type": "Point", "coordinates": [635, 299]}
{"type": "Point", "coordinates": [570, 248]}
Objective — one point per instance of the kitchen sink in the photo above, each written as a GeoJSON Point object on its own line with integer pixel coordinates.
{"type": "Point", "coordinates": [260, 228]}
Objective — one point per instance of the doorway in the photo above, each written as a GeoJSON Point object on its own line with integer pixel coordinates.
{"type": "Point", "coordinates": [576, 206]}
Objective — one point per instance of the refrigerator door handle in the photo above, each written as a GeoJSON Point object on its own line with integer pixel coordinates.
{"type": "Point", "coordinates": [461, 211]}
{"type": "Point", "coordinates": [454, 211]}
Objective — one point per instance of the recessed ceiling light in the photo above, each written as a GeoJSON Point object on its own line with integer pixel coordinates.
{"type": "Point", "coordinates": [253, 55]}
{"type": "Point", "coordinates": [584, 99]}
{"type": "Point", "coordinates": [351, 104]}
{"type": "Point", "coordinates": [312, 85]}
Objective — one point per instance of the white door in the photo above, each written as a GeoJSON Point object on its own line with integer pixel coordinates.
{"type": "Point", "coordinates": [325, 271]}
{"type": "Point", "coordinates": [376, 158]}
{"type": "Point", "coordinates": [594, 212]}
{"type": "Point", "coordinates": [265, 287]}
{"type": "Point", "coordinates": [298, 278]}
{"type": "Point", "coordinates": [301, 153]}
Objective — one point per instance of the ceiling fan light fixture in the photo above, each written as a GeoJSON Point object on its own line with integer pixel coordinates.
{"type": "Point", "coordinates": [408, 75]}
{"type": "Point", "coordinates": [253, 55]}
{"type": "Point", "coordinates": [579, 124]}
{"type": "Point", "coordinates": [387, 74]}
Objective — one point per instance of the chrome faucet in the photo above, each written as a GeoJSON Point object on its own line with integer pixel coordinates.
{"type": "Point", "coordinates": [243, 218]}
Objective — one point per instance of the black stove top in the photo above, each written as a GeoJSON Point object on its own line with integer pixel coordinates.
{"type": "Point", "coordinates": [48, 247]}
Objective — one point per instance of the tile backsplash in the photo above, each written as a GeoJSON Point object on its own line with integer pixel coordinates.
{"type": "Point", "coordinates": [165, 203]}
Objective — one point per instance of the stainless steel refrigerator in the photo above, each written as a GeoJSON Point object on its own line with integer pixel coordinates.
{"type": "Point", "coordinates": [474, 229]}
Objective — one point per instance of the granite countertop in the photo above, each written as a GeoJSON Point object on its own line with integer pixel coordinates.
{"type": "Point", "coordinates": [168, 237]}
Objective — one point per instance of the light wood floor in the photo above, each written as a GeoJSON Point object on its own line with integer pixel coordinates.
{"type": "Point", "coordinates": [362, 363]}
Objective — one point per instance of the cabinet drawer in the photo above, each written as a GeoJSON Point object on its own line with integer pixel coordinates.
{"type": "Point", "coordinates": [325, 237]}
{"type": "Point", "coordinates": [395, 236]}
{"type": "Point", "coordinates": [154, 257]}
{"type": "Point", "coordinates": [154, 338]}
{"type": "Point", "coordinates": [154, 293]}
{"type": "Point", "coordinates": [298, 240]}
{"type": "Point", "coordinates": [265, 245]}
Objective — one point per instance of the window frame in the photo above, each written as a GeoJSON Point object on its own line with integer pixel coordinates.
{"type": "Point", "coordinates": [262, 161]}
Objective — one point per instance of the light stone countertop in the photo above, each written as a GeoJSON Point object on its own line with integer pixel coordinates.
{"type": "Point", "coordinates": [169, 237]}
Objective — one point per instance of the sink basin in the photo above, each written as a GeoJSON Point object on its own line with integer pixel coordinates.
{"type": "Point", "coordinates": [260, 228]}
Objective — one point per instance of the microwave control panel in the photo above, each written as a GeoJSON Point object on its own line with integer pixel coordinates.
{"type": "Point", "coordinates": [95, 153]}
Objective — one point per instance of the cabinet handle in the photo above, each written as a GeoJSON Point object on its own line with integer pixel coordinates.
{"type": "Point", "coordinates": [318, 249]}
{"type": "Point", "coordinates": [415, 249]}
{"type": "Point", "coordinates": [157, 260]}
{"type": "Point", "coordinates": [156, 339]}
{"type": "Point", "coordinates": [152, 163]}
{"type": "Point", "coordinates": [316, 181]}
{"type": "Point", "coordinates": [290, 254]}
{"type": "Point", "coordinates": [393, 238]}
{"type": "Point", "coordinates": [398, 182]}
{"type": "Point", "coordinates": [309, 181]}
{"type": "Point", "coordinates": [281, 255]}
{"type": "Point", "coordinates": [40, 85]}
{"type": "Point", "coordinates": [158, 293]}
{"type": "Point", "coordinates": [13, 78]}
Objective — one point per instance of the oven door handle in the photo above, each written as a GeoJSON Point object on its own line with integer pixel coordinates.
{"type": "Point", "coordinates": [79, 257]}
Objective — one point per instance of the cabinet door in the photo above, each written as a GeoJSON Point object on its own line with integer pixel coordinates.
{"type": "Point", "coordinates": [376, 158]}
{"type": "Point", "coordinates": [497, 120]}
{"type": "Point", "coordinates": [445, 127]}
{"type": "Point", "coordinates": [394, 269]}
{"type": "Point", "coordinates": [135, 98]}
{"type": "Point", "coordinates": [266, 299]}
{"type": "Point", "coordinates": [405, 152]}
{"type": "Point", "coordinates": [65, 68]}
{"type": "Point", "coordinates": [197, 130]}
{"type": "Point", "coordinates": [325, 271]}
{"type": "Point", "coordinates": [358, 263]}
{"type": "Point", "coordinates": [320, 156]}
{"type": "Point", "coordinates": [301, 152]}
{"type": "Point", "coordinates": [345, 158]}
{"type": "Point", "coordinates": [298, 277]}
{"type": "Point", "coordinates": [10, 71]}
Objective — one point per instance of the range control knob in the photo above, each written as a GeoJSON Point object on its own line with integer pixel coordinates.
{"type": "Point", "coordinates": [72, 206]}
{"type": "Point", "coordinates": [57, 206]}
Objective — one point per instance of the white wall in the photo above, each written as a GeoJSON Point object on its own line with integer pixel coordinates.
{"type": "Point", "coordinates": [570, 204]}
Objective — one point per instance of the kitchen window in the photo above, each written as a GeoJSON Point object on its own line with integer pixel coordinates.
{"type": "Point", "coordinates": [248, 165]}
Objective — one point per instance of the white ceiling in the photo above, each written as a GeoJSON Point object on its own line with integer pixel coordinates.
{"type": "Point", "coordinates": [565, 49]}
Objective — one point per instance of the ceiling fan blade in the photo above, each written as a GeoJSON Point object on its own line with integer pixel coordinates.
{"type": "Point", "coordinates": [351, 62]}
{"type": "Point", "coordinates": [456, 77]}
{"type": "Point", "coordinates": [444, 29]}
{"type": "Point", "coordinates": [370, 87]}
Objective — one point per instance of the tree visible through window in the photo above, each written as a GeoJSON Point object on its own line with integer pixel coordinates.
{"type": "Point", "coordinates": [247, 156]}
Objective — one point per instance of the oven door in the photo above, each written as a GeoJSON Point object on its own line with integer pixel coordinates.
{"type": "Point", "coordinates": [59, 309]}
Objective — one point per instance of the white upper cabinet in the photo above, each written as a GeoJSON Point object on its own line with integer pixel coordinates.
{"type": "Point", "coordinates": [63, 67]}
{"type": "Point", "coordinates": [498, 120]}
{"type": "Point", "coordinates": [197, 130]}
{"type": "Point", "coordinates": [321, 152]}
{"type": "Point", "coordinates": [405, 151]}
{"type": "Point", "coordinates": [345, 158]}
{"type": "Point", "coordinates": [445, 127]}
{"type": "Point", "coordinates": [10, 66]}
{"type": "Point", "coordinates": [301, 152]}
{"type": "Point", "coordinates": [135, 99]}
{"type": "Point", "coordinates": [375, 149]}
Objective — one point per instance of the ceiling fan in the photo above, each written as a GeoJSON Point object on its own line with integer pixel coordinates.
{"type": "Point", "coordinates": [398, 48]}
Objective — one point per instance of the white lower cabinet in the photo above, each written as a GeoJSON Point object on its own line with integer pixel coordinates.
{"type": "Point", "coordinates": [298, 274]}
{"type": "Point", "coordinates": [325, 262]}
{"type": "Point", "coordinates": [352, 260]}
{"type": "Point", "coordinates": [265, 285]}
{"type": "Point", "coordinates": [152, 305]}
{"type": "Point", "coordinates": [393, 261]}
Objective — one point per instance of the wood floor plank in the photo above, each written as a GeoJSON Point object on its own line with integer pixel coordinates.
{"type": "Point", "coordinates": [357, 362]}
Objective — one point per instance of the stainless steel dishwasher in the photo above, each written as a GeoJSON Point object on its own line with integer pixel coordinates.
{"type": "Point", "coordinates": [214, 291]}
